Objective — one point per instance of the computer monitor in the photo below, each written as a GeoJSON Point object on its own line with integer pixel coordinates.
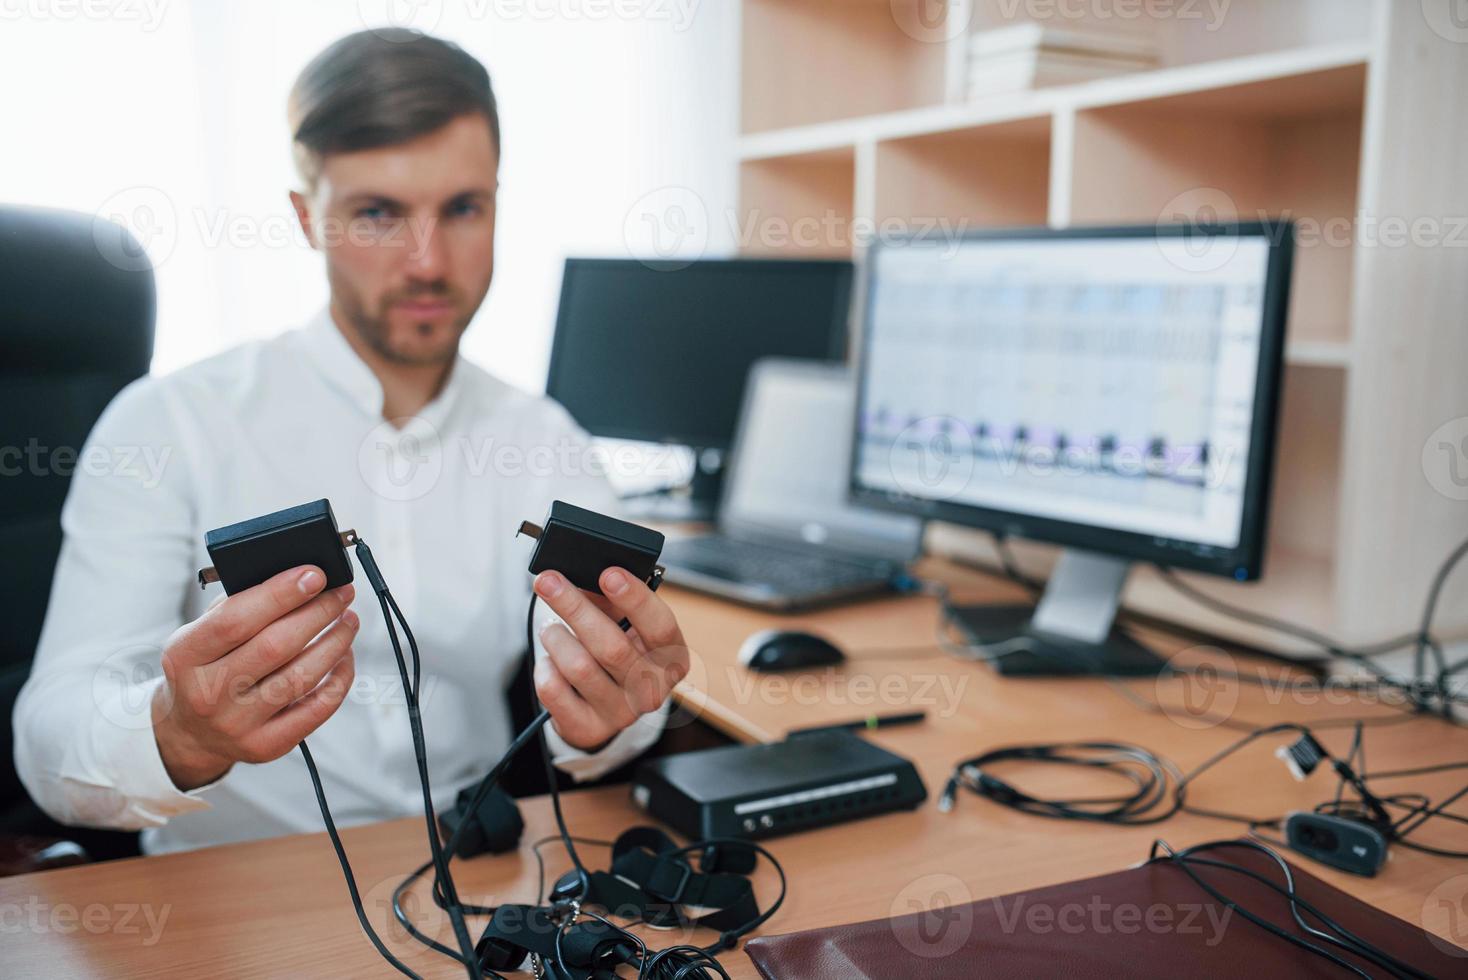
{"type": "Point", "coordinates": [660, 352]}
{"type": "Point", "coordinates": [1111, 390]}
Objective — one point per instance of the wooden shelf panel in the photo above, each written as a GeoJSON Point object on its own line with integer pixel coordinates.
{"type": "Point", "coordinates": [989, 176]}
{"type": "Point", "coordinates": [798, 205]}
{"type": "Point", "coordinates": [811, 61]}
{"type": "Point", "coordinates": [1305, 505]}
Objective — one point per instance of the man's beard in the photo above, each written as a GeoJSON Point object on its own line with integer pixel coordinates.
{"type": "Point", "coordinates": [374, 331]}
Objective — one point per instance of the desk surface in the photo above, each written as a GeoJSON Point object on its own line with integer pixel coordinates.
{"type": "Point", "coordinates": [279, 907]}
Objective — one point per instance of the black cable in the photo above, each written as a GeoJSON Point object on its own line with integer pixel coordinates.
{"type": "Point", "coordinates": [341, 856]}
{"type": "Point", "coordinates": [674, 963]}
{"type": "Point", "coordinates": [1158, 782]}
{"type": "Point", "coordinates": [582, 874]}
{"type": "Point", "coordinates": [443, 878]}
{"type": "Point", "coordinates": [1429, 611]}
{"type": "Point", "coordinates": [1344, 938]}
{"type": "Point", "coordinates": [1421, 640]}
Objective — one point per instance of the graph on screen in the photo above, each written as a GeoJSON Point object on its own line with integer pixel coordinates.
{"type": "Point", "coordinates": [1085, 380]}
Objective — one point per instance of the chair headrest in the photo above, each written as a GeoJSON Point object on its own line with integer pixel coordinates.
{"type": "Point", "coordinates": [76, 295]}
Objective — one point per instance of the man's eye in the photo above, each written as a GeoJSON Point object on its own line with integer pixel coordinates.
{"type": "Point", "coordinates": [465, 208]}
{"type": "Point", "coordinates": [372, 213]}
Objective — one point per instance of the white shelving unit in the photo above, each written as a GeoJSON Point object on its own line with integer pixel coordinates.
{"type": "Point", "coordinates": [1338, 114]}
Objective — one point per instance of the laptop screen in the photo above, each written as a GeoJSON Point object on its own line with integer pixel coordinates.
{"type": "Point", "coordinates": [788, 477]}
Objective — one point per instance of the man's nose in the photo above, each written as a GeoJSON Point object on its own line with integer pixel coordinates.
{"type": "Point", "coordinates": [427, 250]}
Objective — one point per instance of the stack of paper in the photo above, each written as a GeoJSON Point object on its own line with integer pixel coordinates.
{"type": "Point", "coordinates": [1030, 56]}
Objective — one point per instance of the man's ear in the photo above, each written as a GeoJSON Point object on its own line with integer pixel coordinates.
{"type": "Point", "coordinates": [303, 215]}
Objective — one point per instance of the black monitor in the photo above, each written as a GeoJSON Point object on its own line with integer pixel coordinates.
{"type": "Point", "coordinates": [660, 351]}
{"type": "Point", "coordinates": [1112, 390]}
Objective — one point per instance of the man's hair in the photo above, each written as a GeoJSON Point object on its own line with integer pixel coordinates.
{"type": "Point", "coordinates": [383, 87]}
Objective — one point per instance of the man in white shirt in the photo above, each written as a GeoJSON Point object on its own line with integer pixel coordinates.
{"type": "Point", "coordinates": [154, 705]}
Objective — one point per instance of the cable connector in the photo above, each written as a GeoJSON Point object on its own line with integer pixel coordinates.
{"type": "Point", "coordinates": [949, 795]}
{"type": "Point", "coordinates": [1302, 757]}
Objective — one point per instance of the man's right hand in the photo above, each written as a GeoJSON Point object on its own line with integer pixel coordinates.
{"type": "Point", "coordinates": [251, 677]}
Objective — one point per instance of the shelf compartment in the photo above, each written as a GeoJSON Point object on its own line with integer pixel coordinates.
{"type": "Point", "coordinates": [996, 175]}
{"type": "Point", "coordinates": [811, 61]}
{"type": "Point", "coordinates": [799, 205]}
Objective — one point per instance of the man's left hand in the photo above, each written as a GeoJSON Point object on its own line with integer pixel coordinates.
{"type": "Point", "coordinates": [597, 680]}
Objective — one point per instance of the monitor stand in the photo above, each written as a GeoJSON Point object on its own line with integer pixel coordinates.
{"type": "Point", "coordinates": [696, 501]}
{"type": "Point", "coordinates": [1071, 632]}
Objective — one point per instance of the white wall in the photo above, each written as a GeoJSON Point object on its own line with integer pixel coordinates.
{"type": "Point", "coordinates": [169, 115]}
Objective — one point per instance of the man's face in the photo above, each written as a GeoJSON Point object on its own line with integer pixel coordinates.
{"type": "Point", "coordinates": [408, 235]}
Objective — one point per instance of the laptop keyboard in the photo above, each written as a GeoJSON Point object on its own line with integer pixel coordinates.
{"type": "Point", "coordinates": [787, 571]}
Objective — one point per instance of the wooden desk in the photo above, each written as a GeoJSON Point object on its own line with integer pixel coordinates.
{"type": "Point", "coordinates": [279, 908]}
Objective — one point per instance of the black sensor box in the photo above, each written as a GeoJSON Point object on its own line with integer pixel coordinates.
{"type": "Point", "coordinates": [248, 553]}
{"type": "Point", "coordinates": [581, 544]}
{"type": "Point", "coordinates": [766, 790]}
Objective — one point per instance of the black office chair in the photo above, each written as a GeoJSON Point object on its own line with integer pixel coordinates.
{"type": "Point", "coordinates": [77, 305]}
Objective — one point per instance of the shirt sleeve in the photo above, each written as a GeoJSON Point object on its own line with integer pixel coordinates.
{"type": "Point", "coordinates": [84, 744]}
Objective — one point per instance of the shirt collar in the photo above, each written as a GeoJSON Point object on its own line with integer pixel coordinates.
{"type": "Point", "coordinates": [350, 375]}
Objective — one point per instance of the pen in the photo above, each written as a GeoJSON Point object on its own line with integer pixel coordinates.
{"type": "Point", "coordinates": [869, 722]}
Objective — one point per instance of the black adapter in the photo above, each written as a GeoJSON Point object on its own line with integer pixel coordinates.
{"type": "Point", "coordinates": [581, 544]}
{"type": "Point", "coordinates": [248, 553]}
{"type": "Point", "coordinates": [1337, 841]}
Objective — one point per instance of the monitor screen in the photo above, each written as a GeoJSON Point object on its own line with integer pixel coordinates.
{"type": "Point", "coordinates": [1109, 389]}
{"type": "Point", "coordinates": [661, 353]}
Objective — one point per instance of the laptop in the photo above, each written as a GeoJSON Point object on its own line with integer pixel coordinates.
{"type": "Point", "coordinates": [787, 537]}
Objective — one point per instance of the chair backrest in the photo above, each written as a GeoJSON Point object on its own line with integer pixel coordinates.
{"type": "Point", "coordinates": [77, 305]}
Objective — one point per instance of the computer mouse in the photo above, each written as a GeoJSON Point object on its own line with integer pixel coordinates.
{"type": "Point", "coordinates": [777, 650]}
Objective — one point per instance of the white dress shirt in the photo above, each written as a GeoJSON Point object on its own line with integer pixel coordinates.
{"type": "Point", "coordinates": [256, 429]}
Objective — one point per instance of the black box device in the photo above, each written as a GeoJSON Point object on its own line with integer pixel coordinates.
{"type": "Point", "coordinates": [766, 790]}
{"type": "Point", "coordinates": [581, 544]}
{"type": "Point", "coordinates": [248, 553]}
